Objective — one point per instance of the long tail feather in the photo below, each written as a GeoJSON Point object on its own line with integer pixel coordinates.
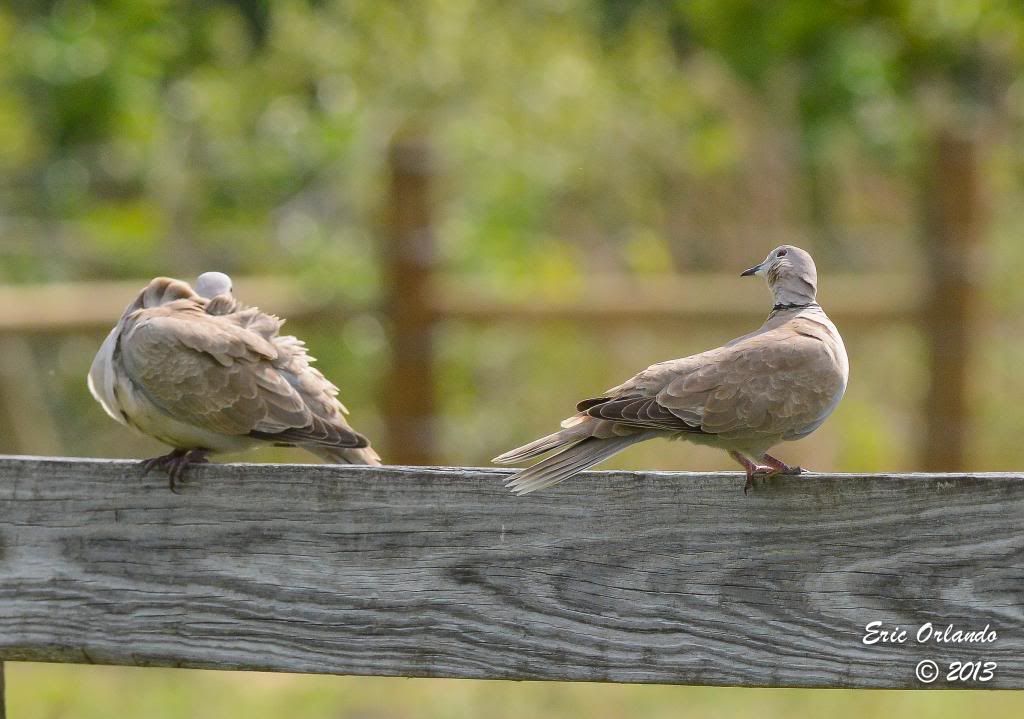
{"type": "Point", "coordinates": [568, 462]}
{"type": "Point", "coordinates": [537, 447]}
{"type": "Point", "coordinates": [346, 455]}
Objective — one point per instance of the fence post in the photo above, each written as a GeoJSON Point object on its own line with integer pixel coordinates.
{"type": "Point", "coordinates": [952, 225]}
{"type": "Point", "coordinates": [408, 258]}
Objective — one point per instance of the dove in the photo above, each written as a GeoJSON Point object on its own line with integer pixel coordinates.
{"type": "Point", "coordinates": [778, 383]}
{"type": "Point", "coordinates": [201, 372]}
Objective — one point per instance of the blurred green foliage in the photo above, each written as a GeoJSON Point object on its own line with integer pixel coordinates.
{"type": "Point", "coordinates": [147, 137]}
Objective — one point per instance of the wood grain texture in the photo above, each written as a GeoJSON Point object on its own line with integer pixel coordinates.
{"type": "Point", "coordinates": [613, 576]}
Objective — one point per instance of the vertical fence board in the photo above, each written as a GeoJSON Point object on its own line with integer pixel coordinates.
{"type": "Point", "coordinates": [952, 207]}
{"type": "Point", "coordinates": [409, 258]}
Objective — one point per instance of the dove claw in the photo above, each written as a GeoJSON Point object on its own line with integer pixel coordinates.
{"type": "Point", "coordinates": [752, 470]}
{"type": "Point", "coordinates": [780, 467]}
{"type": "Point", "coordinates": [175, 463]}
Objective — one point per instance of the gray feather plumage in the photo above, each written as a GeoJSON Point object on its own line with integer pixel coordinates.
{"type": "Point", "coordinates": [202, 372]}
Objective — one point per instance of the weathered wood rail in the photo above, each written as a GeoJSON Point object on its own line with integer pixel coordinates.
{"type": "Point", "coordinates": [615, 576]}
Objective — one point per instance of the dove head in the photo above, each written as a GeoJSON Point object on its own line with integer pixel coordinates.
{"type": "Point", "coordinates": [211, 284]}
{"type": "Point", "coordinates": [160, 291]}
{"type": "Point", "coordinates": [791, 275]}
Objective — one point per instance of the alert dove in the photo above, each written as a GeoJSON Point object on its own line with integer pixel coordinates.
{"type": "Point", "coordinates": [205, 374]}
{"type": "Point", "coordinates": [776, 384]}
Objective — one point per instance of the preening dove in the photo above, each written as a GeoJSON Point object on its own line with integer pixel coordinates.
{"type": "Point", "coordinates": [776, 384]}
{"type": "Point", "coordinates": [199, 371]}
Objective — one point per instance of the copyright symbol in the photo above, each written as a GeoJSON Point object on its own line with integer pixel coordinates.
{"type": "Point", "coordinates": [927, 671]}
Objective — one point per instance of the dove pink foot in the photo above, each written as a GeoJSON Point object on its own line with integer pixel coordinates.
{"type": "Point", "coordinates": [752, 469]}
{"type": "Point", "coordinates": [780, 467]}
{"type": "Point", "coordinates": [175, 463]}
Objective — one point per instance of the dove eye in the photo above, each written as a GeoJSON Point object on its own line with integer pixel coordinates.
{"type": "Point", "coordinates": [781, 253]}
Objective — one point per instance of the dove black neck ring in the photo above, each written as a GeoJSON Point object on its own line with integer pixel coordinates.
{"type": "Point", "coordinates": [793, 306]}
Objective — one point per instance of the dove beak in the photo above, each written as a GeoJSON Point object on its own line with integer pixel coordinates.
{"type": "Point", "coordinates": [752, 271]}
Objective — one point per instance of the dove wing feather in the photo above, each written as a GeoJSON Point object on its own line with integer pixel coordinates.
{"type": "Point", "coordinates": [215, 374]}
{"type": "Point", "coordinates": [765, 384]}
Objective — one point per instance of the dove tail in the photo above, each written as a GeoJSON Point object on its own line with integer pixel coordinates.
{"type": "Point", "coordinates": [346, 455]}
{"type": "Point", "coordinates": [538, 447]}
{"type": "Point", "coordinates": [568, 462]}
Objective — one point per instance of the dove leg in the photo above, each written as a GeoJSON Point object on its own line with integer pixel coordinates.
{"type": "Point", "coordinates": [780, 467]}
{"type": "Point", "coordinates": [175, 463]}
{"type": "Point", "coordinates": [751, 469]}
{"type": "Point", "coordinates": [161, 462]}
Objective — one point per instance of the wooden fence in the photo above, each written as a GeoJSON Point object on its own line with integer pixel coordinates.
{"type": "Point", "coordinates": [440, 572]}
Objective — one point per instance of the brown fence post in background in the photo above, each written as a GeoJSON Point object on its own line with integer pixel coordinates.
{"type": "Point", "coordinates": [952, 224]}
{"type": "Point", "coordinates": [408, 259]}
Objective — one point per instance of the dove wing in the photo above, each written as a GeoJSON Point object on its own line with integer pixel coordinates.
{"type": "Point", "coordinates": [773, 383]}
{"type": "Point", "coordinates": [218, 375]}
